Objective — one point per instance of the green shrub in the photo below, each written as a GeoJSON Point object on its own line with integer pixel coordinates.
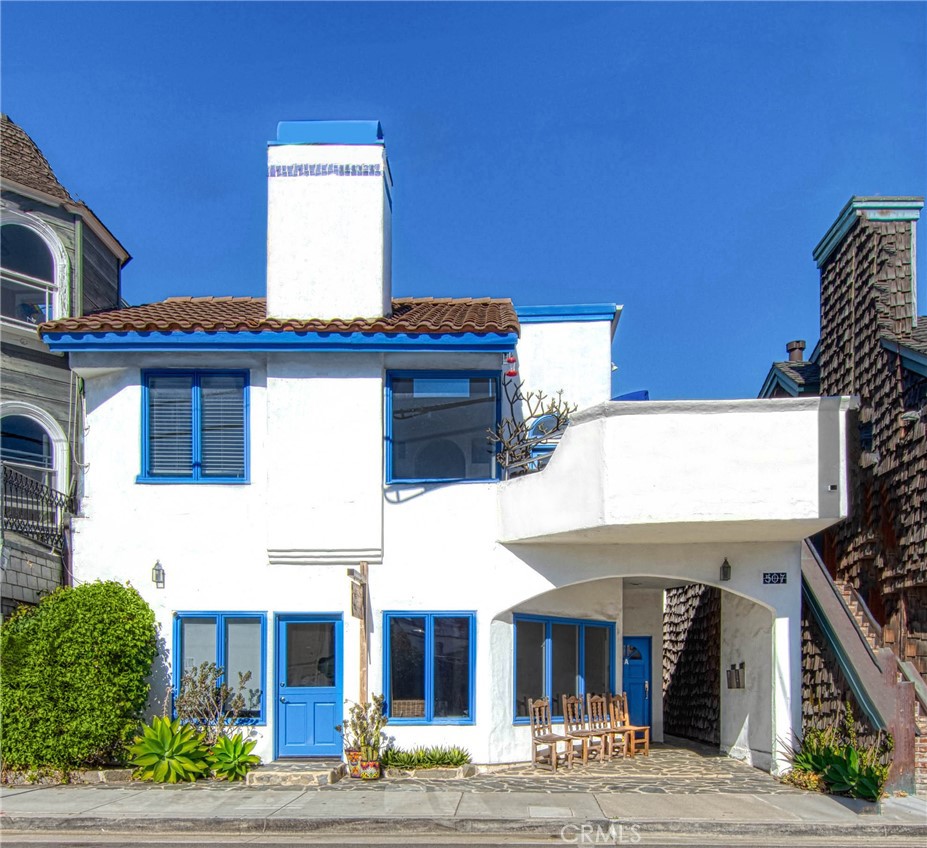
{"type": "Point", "coordinates": [231, 757]}
{"type": "Point", "coordinates": [74, 672]}
{"type": "Point", "coordinates": [169, 752]}
{"type": "Point", "coordinates": [837, 760]}
{"type": "Point", "coordinates": [438, 756]}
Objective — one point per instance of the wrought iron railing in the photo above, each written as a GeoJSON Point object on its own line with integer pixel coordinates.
{"type": "Point", "coordinates": [33, 509]}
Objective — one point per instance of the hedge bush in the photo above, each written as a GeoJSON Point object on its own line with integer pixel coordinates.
{"type": "Point", "coordinates": [74, 676]}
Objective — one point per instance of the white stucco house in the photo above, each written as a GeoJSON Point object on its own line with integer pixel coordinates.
{"type": "Point", "coordinates": [259, 450]}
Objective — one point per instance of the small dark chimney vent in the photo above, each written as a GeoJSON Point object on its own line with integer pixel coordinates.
{"type": "Point", "coordinates": [794, 350]}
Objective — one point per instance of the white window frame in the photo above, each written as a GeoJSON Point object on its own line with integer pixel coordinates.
{"type": "Point", "coordinates": [59, 288]}
{"type": "Point", "coordinates": [60, 453]}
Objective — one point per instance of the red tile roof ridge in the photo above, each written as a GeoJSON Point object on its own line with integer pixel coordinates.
{"type": "Point", "coordinates": [244, 314]}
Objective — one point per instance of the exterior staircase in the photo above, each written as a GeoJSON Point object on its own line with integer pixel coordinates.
{"type": "Point", "coordinates": [890, 692]}
{"type": "Point", "coordinates": [861, 615]}
{"type": "Point", "coordinates": [871, 632]}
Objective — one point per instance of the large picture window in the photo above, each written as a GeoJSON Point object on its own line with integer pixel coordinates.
{"type": "Point", "coordinates": [437, 423]}
{"type": "Point", "coordinates": [195, 427]}
{"type": "Point", "coordinates": [429, 659]}
{"type": "Point", "coordinates": [234, 641]}
{"type": "Point", "coordinates": [558, 656]}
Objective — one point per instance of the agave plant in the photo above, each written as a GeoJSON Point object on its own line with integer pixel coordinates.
{"type": "Point", "coordinates": [169, 752]}
{"type": "Point", "coordinates": [231, 757]}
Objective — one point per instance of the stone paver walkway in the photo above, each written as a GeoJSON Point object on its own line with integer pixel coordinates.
{"type": "Point", "coordinates": [678, 768]}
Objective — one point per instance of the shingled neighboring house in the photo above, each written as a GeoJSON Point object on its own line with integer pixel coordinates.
{"type": "Point", "coordinates": [874, 345]}
{"type": "Point", "coordinates": [58, 260]}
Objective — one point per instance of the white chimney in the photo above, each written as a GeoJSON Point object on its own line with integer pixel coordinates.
{"type": "Point", "coordinates": [329, 244]}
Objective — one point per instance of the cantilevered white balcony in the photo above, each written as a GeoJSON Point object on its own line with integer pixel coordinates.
{"type": "Point", "coordinates": [687, 471]}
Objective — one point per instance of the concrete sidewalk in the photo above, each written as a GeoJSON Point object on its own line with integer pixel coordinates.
{"type": "Point", "coordinates": [218, 808]}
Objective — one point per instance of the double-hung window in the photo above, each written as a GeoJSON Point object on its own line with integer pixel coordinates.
{"type": "Point", "coordinates": [235, 641]}
{"type": "Point", "coordinates": [429, 661]}
{"type": "Point", "coordinates": [195, 427]}
{"type": "Point", "coordinates": [437, 425]}
{"type": "Point", "coordinates": [561, 656]}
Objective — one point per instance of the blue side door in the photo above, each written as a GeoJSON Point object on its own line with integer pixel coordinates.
{"type": "Point", "coordinates": [636, 676]}
{"type": "Point", "coordinates": [309, 699]}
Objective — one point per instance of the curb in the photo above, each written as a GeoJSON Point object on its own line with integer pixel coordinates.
{"type": "Point", "coordinates": [438, 826]}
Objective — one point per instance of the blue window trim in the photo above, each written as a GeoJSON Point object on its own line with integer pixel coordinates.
{"type": "Point", "coordinates": [429, 665]}
{"type": "Point", "coordinates": [220, 618]}
{"type": "Point", "coordinates": [388, 428]}
{"type": "Point", "coordinates": [548, 621]}
{"type": "Point", "coordinates": [195, 478]}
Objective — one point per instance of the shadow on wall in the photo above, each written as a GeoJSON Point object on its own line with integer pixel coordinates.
{"type": "Point", "coordinates": [159, 681]}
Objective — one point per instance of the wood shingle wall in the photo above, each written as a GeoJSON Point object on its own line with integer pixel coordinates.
{"type": "Point", "coordinates": [824, 688]}
{"type": "Point", "coordinates": [692, 663]}
{"type": "Point", "coordinates": [867, 296]}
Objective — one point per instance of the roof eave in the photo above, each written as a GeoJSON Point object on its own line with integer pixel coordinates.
{"type": "Point", "coordinates": [159, 341]}
{"type": "Point", "coordinates": [81, 209]}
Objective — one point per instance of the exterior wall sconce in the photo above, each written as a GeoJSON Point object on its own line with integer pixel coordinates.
{"type": "Point", "coordinates": [725, 570]}
{"type": "Point", "coordinates": [736, 677]}
{"type": "Point", "coordinates": [157, 575]}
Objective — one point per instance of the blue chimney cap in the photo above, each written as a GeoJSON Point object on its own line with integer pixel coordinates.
{"type": "Point", "coordinates": [329, 132]}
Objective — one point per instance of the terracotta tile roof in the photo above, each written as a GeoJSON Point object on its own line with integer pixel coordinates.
{"type": "Point", "coordinates": [233, 314]}
{"type": "Point", "coordinates": [803, 373]}
{"type": "Point", "coordinates": [22, 162]}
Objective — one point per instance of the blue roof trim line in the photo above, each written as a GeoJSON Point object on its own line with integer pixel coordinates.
{"type": "Point", "coordinates": [875, 209]}
{"type": "Point", "coordinates": [567, 312]}
{"type": "Point", "coordinates": [329, 132]}
{"type": "Point", "coordinates": [269, 341]}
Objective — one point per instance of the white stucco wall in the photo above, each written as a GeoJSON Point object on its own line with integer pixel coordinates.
{"type": "Point", "coordinates": [643, 616]}
{"type": "Point", "coordinates": [328, 250]}
{"type": "Point", "coordinates": [316, 442]}
{"type": "Point", "coordinates": [573, 356]}
{"type": "Point", "coordinates": [687, 471]}
{"type": "Point", "coordinates": [747, 714]}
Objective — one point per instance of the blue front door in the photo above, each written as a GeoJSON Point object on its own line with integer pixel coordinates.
{"type": "Point", "coordinates": [309, 702]}
{"type": "Point", "coordinates": [636, 676]}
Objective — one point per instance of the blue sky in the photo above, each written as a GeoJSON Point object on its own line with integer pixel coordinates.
{"type": "Point", "coordinates": [680, 159]}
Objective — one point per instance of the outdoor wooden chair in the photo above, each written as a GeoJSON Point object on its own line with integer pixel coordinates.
{"type": "Point", "coordinates": [574, 725]}
{"type": "Point", "coordinates": [600, 719]}
{"type": "Point", "coordinates": [636, 736]}
{"type": "Point", "coordinates": [543, 738]}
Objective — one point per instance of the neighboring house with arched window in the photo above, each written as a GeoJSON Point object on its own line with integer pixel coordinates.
{"type": "Point", "coordinates": [57, 260]}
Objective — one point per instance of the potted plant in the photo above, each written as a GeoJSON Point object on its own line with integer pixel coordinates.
{"type": "Point", "coordinates": [362, 732]}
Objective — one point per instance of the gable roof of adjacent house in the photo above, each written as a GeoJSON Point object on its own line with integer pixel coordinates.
{"type": "Point", "coordinates": [420, 315]}
{"type": "Point", "coordinates": [796, 378]}
{"type": "Point", "coordinates": [25, 170]}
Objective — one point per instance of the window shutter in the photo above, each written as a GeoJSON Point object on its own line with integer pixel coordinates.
{"type": "Point", "coordinates": [170, 426]}
{"type": "Point", "coordinates": [222, 422]}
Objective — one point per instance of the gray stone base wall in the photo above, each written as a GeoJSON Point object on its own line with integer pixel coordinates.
{"type": "Point", "coordinates": [29, 572]}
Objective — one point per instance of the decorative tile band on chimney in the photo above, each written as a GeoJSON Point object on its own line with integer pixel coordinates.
{"type": "Point", "coordinates": [329, 239]}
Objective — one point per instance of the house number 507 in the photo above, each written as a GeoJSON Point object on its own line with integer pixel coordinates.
{"type": "Point", "coordinates": [775, 577]}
